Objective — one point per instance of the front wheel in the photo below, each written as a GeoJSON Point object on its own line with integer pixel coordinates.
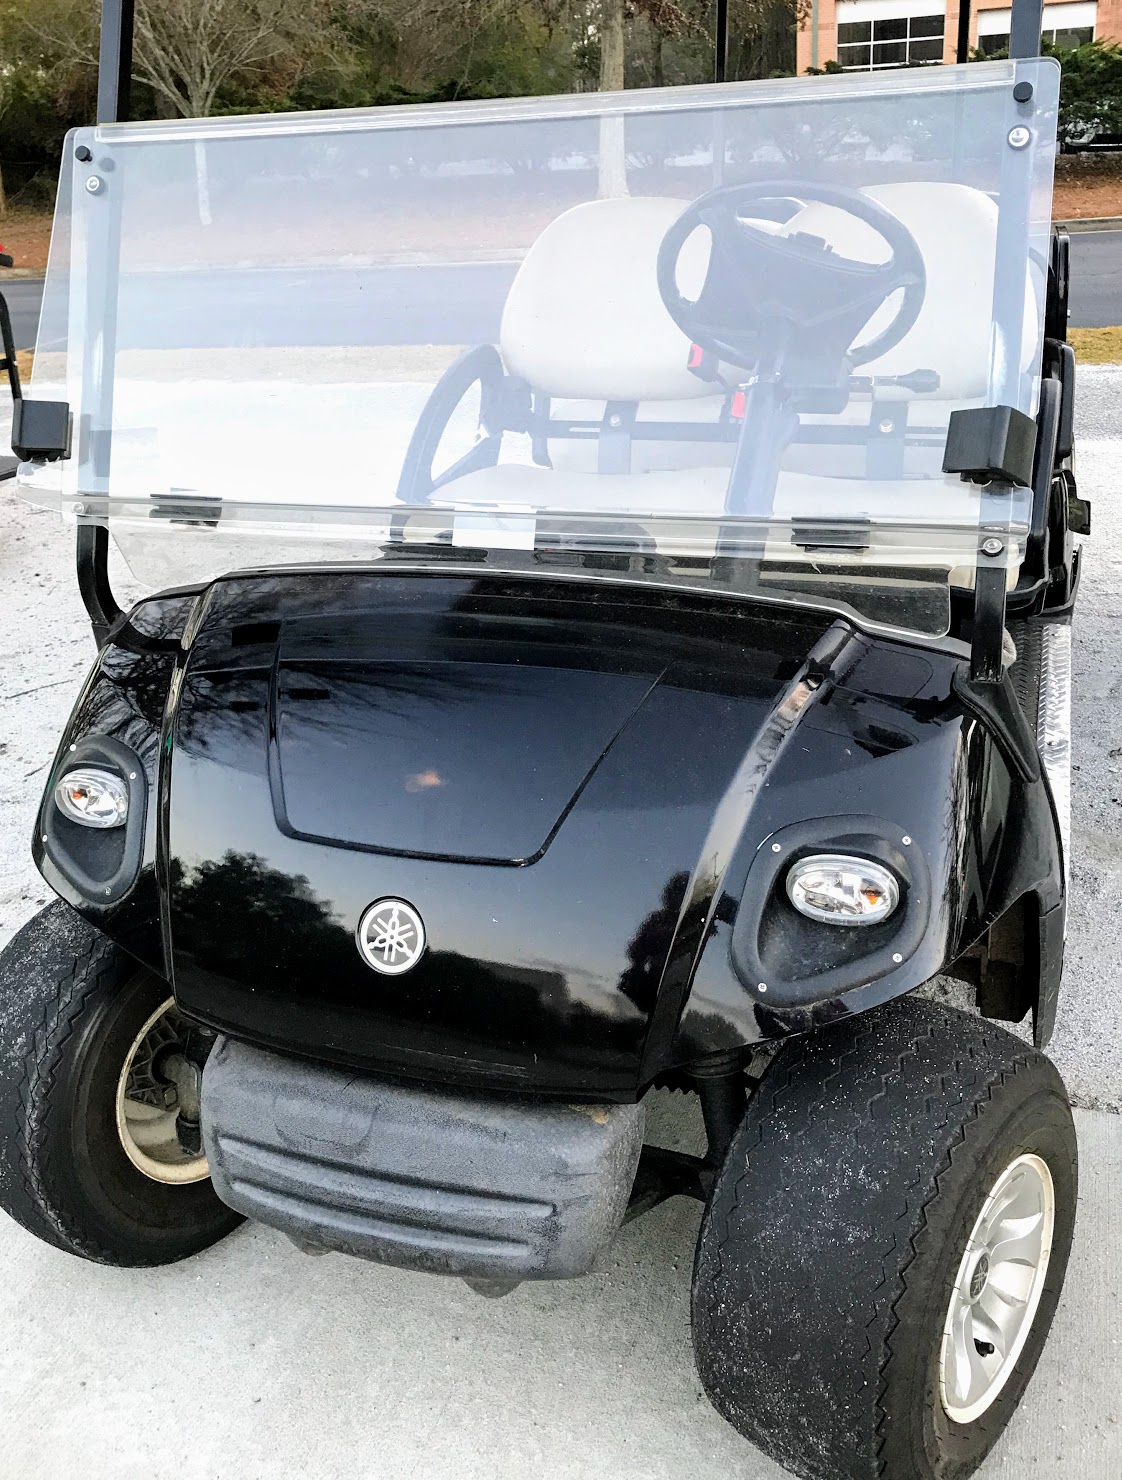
{"type": "Point", "coordinates": [885, 1246]}
{"type": "Point", "coordinates": [99, 1148]}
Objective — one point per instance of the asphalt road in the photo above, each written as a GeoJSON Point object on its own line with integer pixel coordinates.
{"type": "Point", "coordinates": [424, 304]}
{"type": "Point", "coordinates": [1096, 279]}
{"type": "Point", "coordinates": [24, 295]}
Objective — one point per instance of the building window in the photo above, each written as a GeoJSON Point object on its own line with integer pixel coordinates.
{"type": "Point", "coordinates": [1067, 24]}
{"type": "Point", "coordinates": [1063, 40]}
{"type": "Point", "coordinates": [902, 42]}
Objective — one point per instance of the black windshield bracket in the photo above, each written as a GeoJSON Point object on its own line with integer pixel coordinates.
{"type": "Point", "coordinates": [93, 580]}
{"type": "Point", "coordinates": [8, 366]}
{"type": "Point", "coordinates": [988, 443]}
{"type": "Point", "coordinates": [987, 642]}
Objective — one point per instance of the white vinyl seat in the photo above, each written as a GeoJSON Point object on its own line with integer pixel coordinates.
{"type": "Point", "coordinates": [585, 324]}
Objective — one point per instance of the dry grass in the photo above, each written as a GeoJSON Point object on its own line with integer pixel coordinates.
{"type": "Point", "coordinates": [1087, 199]}
{"type": "Point", "coordinates": [26, 235]}
{"type": "Point", "coordinates": [1097, 346]}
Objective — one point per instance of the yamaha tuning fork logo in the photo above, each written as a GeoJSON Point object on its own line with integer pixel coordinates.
{"type": "Point", "coordinates": [391, 936]}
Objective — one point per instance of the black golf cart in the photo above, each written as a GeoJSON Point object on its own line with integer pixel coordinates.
{"type": "Point", "coordinates": [614, 560]}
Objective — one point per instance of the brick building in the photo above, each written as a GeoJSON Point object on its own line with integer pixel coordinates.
{"type": "Point", "coordinates": [867, 34]}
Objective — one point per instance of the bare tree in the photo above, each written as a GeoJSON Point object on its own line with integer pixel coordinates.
{"type": "Point", "coordinates": [610, 25]}
{"type": "Point", "coordinates": [187, 51]}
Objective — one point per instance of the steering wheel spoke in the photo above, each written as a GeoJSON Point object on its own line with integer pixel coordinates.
{"type": "Point", "coordinates": [756, 278]}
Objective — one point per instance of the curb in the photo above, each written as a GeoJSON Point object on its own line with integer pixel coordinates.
{"type": "Point", "coordinates": [1091, 223]}
{"type": "Point", "coordinates": [8, 273]}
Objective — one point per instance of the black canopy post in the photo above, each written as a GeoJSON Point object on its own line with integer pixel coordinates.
{"type": "Point", "coordinates": [1024, 28]}
{"type": "Point", "coordinates": [721, 41]}
{"type": "Point", "coordinates": [114, 92]}
{"type": "Point", "coordinates": [114, 62]}
{"type": "Point", "coordinates": [962, 46]}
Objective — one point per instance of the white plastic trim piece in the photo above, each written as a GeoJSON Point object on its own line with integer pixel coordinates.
{"type": "Point", "coordinates": [1053, 723]}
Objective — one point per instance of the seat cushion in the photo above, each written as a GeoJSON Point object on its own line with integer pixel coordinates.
{"type": "Point", "coordinates": [584, 317]}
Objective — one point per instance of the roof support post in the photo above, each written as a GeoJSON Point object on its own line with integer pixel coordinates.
{"type": "Point", "coordinates": [114, 95]}
{"type": "Point", "coordinates": [1025, 27]}
{"type": "Point", "coordinates": [114, 62]}
{"type": "Point", "coordinates": [721, 41]}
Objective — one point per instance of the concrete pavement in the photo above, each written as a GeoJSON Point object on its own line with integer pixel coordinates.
{"type": "Point", "coordinates": [254, 1362]}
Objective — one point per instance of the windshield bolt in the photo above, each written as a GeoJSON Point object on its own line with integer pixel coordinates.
{"type": "Point", "coordinates": [615, 421]}
{"type": "Point", "coordinates": [761, 986]}
{"type": "Point", "coordinates": [885, 427]}
{"type": "Point", "coordinates": [1019, 136]}
{"type": "Point", "coordinates": [93, 184]}
{"type": "Point", "coordinates": [79, 509]}
{"type": "Point", "coordinates": [83, 154]}
{"type": "Point", "coordinates": [992, 546]}
{"type": "Point", "coordinates": [775, 847]}
{"type": "Point", "coordinates": [905, 840]}
{"type": "Point", "coordinates": [896, 956]}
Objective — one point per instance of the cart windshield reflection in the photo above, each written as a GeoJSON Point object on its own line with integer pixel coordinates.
{"type": "Point", "coordinates": [706, 336]}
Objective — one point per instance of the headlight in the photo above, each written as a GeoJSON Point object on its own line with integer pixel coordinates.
{"type": "Point", "coordinates": [842, 890]}
{"type": "Point", "coordinates": [93, 797]}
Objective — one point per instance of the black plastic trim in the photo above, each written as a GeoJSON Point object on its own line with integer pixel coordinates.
{"type": "Point", "coordinates": [40, 430]}
{"type": "Point", "coordinates": [860, 954]}
{"type": "Point", "coordinates": [991, 442]}
{"type": "Point", "coordinates": [995, 704]}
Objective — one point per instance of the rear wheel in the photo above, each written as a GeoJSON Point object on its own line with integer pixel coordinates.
{"type": "Point", "coordinates": [885, 1246]}
{"type": "Point", "coordinates": [99, 1146]}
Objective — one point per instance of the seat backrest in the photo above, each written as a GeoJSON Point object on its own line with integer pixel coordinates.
{"type": "Point", "coordinates": [955, 228]}
{"type": "Point", "coordinates": [584, 318]}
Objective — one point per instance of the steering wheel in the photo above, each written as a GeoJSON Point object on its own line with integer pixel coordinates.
{"type": "Point", "coordinates": [759, 282]}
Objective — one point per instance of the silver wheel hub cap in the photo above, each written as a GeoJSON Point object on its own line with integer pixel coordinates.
{"type": "Point", "coordinates": [997, 1289]}
{"type": "Point", "coordinates": [148, 1108]}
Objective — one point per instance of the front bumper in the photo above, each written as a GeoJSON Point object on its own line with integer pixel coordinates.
{"type": "Point", "coordinates": [479, 1187]}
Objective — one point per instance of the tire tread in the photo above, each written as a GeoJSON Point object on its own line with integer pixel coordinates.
{"type": "Point", "coordinates": [814, 1077]}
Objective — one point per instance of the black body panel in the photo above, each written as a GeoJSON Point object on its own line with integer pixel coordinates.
{"type": "Point", "coordinates": [531, 976]}
{"type": "Point", "coordinates": [591, 794]}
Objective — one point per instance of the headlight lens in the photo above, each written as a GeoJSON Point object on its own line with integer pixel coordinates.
{"type": "Point", "coordinates": [93, 797]}
{"type": "Point", "coordinates": [842, 890]}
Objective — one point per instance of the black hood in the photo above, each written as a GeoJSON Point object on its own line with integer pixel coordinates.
{"type": "Point", "coordinates": [534, 770]}
{"type": "Point", "coordinates": [446, 757]}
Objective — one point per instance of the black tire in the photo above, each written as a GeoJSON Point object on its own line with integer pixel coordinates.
{"type": "Point", "coordinates": [835, 1229]}
{"type": "Point", "coordinates": [71, 1005]}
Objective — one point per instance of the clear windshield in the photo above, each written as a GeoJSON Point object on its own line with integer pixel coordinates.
{"type": "Point", "coordinates": [709, 335]}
